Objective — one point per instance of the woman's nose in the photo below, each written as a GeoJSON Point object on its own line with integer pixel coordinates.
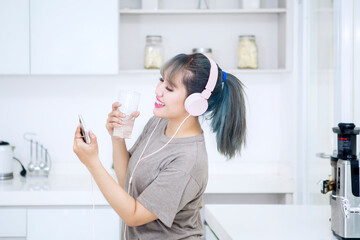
{"type": "Point", "coordinates": [159, 91]}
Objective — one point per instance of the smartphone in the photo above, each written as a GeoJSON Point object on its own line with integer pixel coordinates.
{"type": "Point", "coordinates": [84, 131]}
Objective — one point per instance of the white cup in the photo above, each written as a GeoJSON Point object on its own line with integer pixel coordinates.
{"type": "Point", "coordinates": [129, 101]}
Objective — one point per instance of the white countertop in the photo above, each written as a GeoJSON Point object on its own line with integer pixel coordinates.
{"type": "Point", "coordinates": [248, 183]}
{"type": "Point", "coordinates": [74, 187]}
{"type": "Point", "coordinates": [55, 190]}
{"type": "Point", "coordinates": [280, 222]}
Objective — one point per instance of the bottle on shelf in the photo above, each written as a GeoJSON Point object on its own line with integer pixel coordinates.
{"type": "Point", "coordinates": [247, 52]}
{"type": "Point", "coordinates": [153, 52]}
{"type": "Point", "coordinates": [251, 4]}
{"type": "Point", "coordinates": [130, 4]}
{"type": "Point", "coordinates": [203, 4]}
{"type": "Point", "coordinates": [149, 4]}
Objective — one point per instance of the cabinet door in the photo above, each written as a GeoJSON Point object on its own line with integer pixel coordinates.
{"type": "Point", "coordinates": [14, 37]}
{"type": "Point", "coordinates": [74, 37]}
{"type": "Point", "coordinates": [72, 224]}
{"type": "Point", "coordinates": [12, 223]}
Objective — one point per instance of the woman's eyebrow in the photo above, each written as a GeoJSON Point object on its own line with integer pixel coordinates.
{"type": "Point", "coordinates": [172, 84]}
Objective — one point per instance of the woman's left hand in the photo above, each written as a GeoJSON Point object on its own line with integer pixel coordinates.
{"type": "Point", "coordinates": [87, 153]}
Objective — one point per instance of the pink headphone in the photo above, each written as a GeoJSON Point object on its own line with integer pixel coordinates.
{"type": "Point", "coordinates": [196, 104]}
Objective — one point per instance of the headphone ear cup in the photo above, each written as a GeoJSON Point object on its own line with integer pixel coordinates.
{"type": "Point", "coordinates": [195, 104]}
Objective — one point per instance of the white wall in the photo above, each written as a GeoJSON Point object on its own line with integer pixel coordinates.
{"type": "Point", "coordinates": [49, 106]}
{"type": "Point", "coordinates": [315, 98]}
{"type": "Point", "coordinates": [356, 83]}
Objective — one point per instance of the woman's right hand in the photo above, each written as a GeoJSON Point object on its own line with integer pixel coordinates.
{"type": "Point", "coordinates": [115, 118]}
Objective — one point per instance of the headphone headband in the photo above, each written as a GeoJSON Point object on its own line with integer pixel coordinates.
{"type": "Point", "coordinates": [196, 104]}
{"type": "Point", "coordinates": [213, 76]}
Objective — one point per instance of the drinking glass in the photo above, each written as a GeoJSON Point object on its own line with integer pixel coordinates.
{"type": "Point", "coordinates": [129, 101]}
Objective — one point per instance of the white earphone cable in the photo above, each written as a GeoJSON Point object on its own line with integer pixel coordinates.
{"type": "Point", "coordinates": [142, 153]}
{"type": "Point", "coordinates": [142, 158]}
{"type": "Point", "coordinates": [93, 208]}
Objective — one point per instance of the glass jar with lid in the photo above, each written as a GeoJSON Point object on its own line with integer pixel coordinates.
{"type": "Point", "coordinates": [205, 51]}
{"type": "Point", "coordinates": [153, 52]}
{"type": "Point", "coordinates": [247, 52]}
{"type": "Point", "coordinates": [130, 4]}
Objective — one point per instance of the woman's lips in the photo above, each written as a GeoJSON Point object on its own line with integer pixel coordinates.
{"type": "Point", "coordinates": [158, 106]}
{"type": "Point", "coordinates": [158, 103]}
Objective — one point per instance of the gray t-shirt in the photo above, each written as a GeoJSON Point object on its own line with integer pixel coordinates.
{"type": "Point", "coordinates": [169, 183]}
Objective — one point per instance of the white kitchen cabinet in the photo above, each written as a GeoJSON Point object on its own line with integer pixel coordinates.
{"type": "Point", "coordinates": [11, 238]}
{"type": "Point", "coordinates": [209, 234]}
{"type": "Point", "coordinates": [185, 28]}
{"type": "Point", "coordinates": [72, 224]}
{"type": "Point", "coordinates": [74, 37]}
{"type": "Point", "coordinates": [12, 223]}
{"type": "Point", "coordinates": [14, 37]}
{"type": "Point", "coordinates": [270, 222]}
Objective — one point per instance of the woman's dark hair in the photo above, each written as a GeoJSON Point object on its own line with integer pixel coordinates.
{"type": "Point", "coordinates": [226, 104]}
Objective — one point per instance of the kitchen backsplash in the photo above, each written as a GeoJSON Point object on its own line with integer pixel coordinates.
{"type": "Point", "coordinates": [49, 106]}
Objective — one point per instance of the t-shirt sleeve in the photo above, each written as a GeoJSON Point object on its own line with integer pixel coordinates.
{"type": "Point", "coordinates": [143, 133]}
{"type": "Point", "coordinates": [168, 194]}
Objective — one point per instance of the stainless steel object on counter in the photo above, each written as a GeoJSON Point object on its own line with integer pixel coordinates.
{"type": "Point", "coordinates": [40, 164]}
{"type": "Point", "coordinates": [6, 161]}
{"type": "Point", "coordinates": [31, 165]}
{"type": "Point", "coordinates": [37, 167]}
{"type": "Point", "coordinates": [47, 166]}
{"type": "Point", "coordinates": [344, 184]}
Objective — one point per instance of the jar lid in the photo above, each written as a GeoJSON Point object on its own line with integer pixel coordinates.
{"type": "Point", "coordinates": [246, 36]}
{"type": "Point", "coordinates": [201, 50]}
{"type": "Point", "coordinates": [4, 143]}
{"type": "Point", "coordinates": [153, 36]}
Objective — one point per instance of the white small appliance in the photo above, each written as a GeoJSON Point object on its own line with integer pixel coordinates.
{"type": "Point", "coordinates": [6, 161]}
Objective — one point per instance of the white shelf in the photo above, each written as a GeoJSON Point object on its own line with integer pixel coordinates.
{"type": "Point", "coordinates": [233, 71]}
{"type": "Point", "coordinates": [202, 11]}
{"type": "Point", "coordinates": [139, 71]}
{"type": "Point", "coordinates": [183, 29]}
{"type": "Point", "coordinates": [257, 71]}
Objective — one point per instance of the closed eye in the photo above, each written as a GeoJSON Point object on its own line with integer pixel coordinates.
{"type": "Point", "coordinates": [167, 88]}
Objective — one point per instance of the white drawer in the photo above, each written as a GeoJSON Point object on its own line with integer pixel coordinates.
{"type": "Point", "coordinates": [13, 222]}
{"type": "Point", "coordinates": [72, 224]}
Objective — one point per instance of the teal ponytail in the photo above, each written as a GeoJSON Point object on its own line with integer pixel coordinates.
{"type": "Point", "coordinates": [227, 112]}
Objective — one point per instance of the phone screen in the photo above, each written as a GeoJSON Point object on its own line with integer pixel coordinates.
{"type": "Point", "coordinates": [82, 133]}
{"type": "Point", "coordinates": [83, 130]}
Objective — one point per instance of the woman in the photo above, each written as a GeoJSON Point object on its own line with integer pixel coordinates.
{"type": "Point", "coordinates": [162, 178]}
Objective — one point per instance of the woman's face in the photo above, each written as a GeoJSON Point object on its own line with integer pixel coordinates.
{"type": "Point", "coordinates": [169, 102]}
